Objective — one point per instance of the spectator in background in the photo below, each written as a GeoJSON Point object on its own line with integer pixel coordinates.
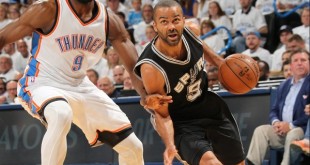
{"type": "Point", "coordinates": [102, 66]}
{"type": "Point", "coordinates": [128, 88]}
{"type": "Point", "coordinates": [11, 88]}
{"type": "Point", "coordinates": [135, 14]}
{"type": "Point", "coordinates": [150, 33]}
{"type": "Point", "coordinates": [212, 74]}
{"type": "Point", "coordinates": [301, 146]}
{"type": "Point", "coordinates": [93, 76]}
{"type": "Point", "coordinates": [106, 84]}
{"type": "Point", "coordinates": [253, 42]}
{"type": "Point", "coordinates": [287, 117]}
{"type": "Point", "coordinates": [10, 49]}
{"type": "Point", "coordinates": [117, 6]}
{"type": "Point", "coordinates": [296, 42]}
{"type": "Point", "coordinates": [214, 41]}
{"type": "Point", "coordinates": [263, 70]}
{"type": "Point", "coordinates": [285, 33]}
{"type": "Point", "coordinates": [113, 60]}
{"type": "Point", "coordinates": [187, 7]}
{"type": "Point", "coordinates": [3, 16]}
{"type": "Point", "coordinates": [21, 60]}
{"type": "Point", "coordinates": [127, 81]}
{"type": "Point", "coordinates": [6, 68]}
{"type": "Point", "coordinates": [265, 6]}
{"type": "Point", "coordinates": [139, 29]}
{"type": "Point", "coordinates": [202, 9]}
{"type": "Point", "coordinates": [219, 18]}
{"type": "Point", "coordinates": [2, 86]}
{"type": "Point", "coordinates": [244, 20]}
{"type": "Point", "coordinates": [286, 69]}
{"type": "Point", "coordinates": [118, 73]}
{"type": "Point", "coordinates": [230, 7]}
{"type": "Point", "coordinates": [13, 13]}
{"type": "Point", "coordinates": [304, 29]}
{"type": "Point", "coordinates": [122, 16]}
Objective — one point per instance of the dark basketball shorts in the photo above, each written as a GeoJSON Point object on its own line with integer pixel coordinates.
{"type": "Point", "coordinates": [220, 135]}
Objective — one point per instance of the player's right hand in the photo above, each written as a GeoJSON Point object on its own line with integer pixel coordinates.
{"type": "Point", "coordinates": [156, 101]}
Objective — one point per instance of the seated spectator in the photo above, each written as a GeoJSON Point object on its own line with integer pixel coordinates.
{"type": "Point", "coordinates": [139, 29]}
{"type": "Point", "coordinates": [135, 14]}
{"type": "Point", "coordinates": [127, 81]}
{"type": "Point", "coordinates": [3, 92]}
{"type": "Point", "coordinates": [287, 117]}
{"type": "Point", "coordinates": [286, 69]}
{"type": "Point", "coordinates": [230, 7]}
{"type": "Point", "coordinates": [106, 84]}
{"type": "Point", "coordinates": [6, 68]}
{"type": "Point", "coordinates": [93, 76]}
{"type": "Point", "coordinates": [11, 88]}
{"type": "Point", "coordinates": [213, 81]}
{"type": "Point", "coordinates": [150, 33]}
{"type": "Point", "coordinates": [10, 49]}
{"type": "Point", "coordinates": [263, 70]}
{"type": "Point", "coordinates": [201, 10]}
{"type": "Point", "coordinates": [122, 16]}
{"type": "Point", "coordinates": [265, 6]}
{"type": "Point", "coordinates": [296, 42]}
{"type": "Point", "coordinates": [117, 6]}
{"type": "Point", "coordinates": [285, 33]}
{"type": "Point", "coordinates": [3, 16]}
{"type": "Point", "coordinates": [304, 29]}
{"type": "Point", "coordinates": [128, 89]}
{"type": "Point", "coordinates": [214, 41]}
{"type": "Point", "coordinates": [244, 20]}
{"type": "Point", "coordinates": [102, 66]}
{"type": "Point", "coordinates": [118, 73]}
{"type": "Point", "coordinates": [253, 43]}
{"type": "Point", "coordinates": [300, 147]}
{"type": "Point", "coordinates": [219, 18]}
{"type": "Point", "coordinates": [21, 59]}
{"type": "Point", "coordinates": [113, 59]}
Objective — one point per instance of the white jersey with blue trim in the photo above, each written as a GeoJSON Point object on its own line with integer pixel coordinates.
{"type": "Point", "coordinates": [70, 48]}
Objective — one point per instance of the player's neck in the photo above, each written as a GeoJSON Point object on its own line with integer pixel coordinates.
{"type": "Point", "coordinates": [83, 10]}
{"type": "Point", "coordinates": [177, 52]}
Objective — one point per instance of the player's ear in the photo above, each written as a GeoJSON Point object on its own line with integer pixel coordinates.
{"type": "Point", "coordinates": [154, 26]}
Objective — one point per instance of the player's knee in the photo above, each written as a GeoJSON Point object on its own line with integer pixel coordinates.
{"type": "Point", "coordinates": [113, 138]}
{"type": "Point", "coordinates": [209, 158]}
{"type": "Point", "coordinates": [59, 113]}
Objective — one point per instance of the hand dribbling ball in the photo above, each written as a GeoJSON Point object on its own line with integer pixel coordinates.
{"type": "Point", "coordinates": [239, 73]}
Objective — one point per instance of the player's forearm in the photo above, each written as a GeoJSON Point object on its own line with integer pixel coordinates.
{"type": "Point", "coordinates": [164, 127]}
{"type": "Point", "coordinates": [211, 56]}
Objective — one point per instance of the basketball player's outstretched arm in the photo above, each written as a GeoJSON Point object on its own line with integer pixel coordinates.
{"type": "Point", "coordinates": [209, 54]}
{"type": "Point", "coordinates": [40, 15]}
{"type": "Point", "coordinates": [154, 84]}
{"type": "Point", "coordinates": [126, 49]}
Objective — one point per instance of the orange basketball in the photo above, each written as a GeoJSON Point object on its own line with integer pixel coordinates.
{"type": "Point", "coordinates": [239, 73]}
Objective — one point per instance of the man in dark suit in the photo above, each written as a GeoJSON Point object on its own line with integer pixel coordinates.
{"type": "Point", "coordinates": [287, 116]}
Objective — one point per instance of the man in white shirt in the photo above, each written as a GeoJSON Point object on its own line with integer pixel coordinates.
{"type": "Point", "coordinates": [285, 33]}
{"type": "Point", "coordinates": [254, 50]}
{"type": "Point", "coordinates": [21, 60]}
{"type": "Point", "coordinates": [244, 20]}
{"type": "Point", "coordinates": [304, 29]}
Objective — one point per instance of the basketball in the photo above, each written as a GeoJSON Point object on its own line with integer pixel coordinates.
{"type": "Point", "coordinates": [239, 73]}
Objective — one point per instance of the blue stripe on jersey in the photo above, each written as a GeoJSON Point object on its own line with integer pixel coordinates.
{"type": "Point", "coordinates": [32, 67]}
{"type": "Point", "coordinates": [24, 95]}
{"type": "Point", "coordinates": [35, 42]}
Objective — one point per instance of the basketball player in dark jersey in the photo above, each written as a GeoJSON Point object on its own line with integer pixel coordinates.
{"type": "Point", "coordinates": [197, 123]}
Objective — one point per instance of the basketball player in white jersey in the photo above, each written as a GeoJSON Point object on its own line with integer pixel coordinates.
{"type": "Point", "coordinates": [68, 38]}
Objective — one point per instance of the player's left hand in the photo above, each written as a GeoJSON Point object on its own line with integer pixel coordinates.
{"type": "Point", "coordinates": [155, 101]}
{"type": "Point", "coordinates": [169, 154]}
